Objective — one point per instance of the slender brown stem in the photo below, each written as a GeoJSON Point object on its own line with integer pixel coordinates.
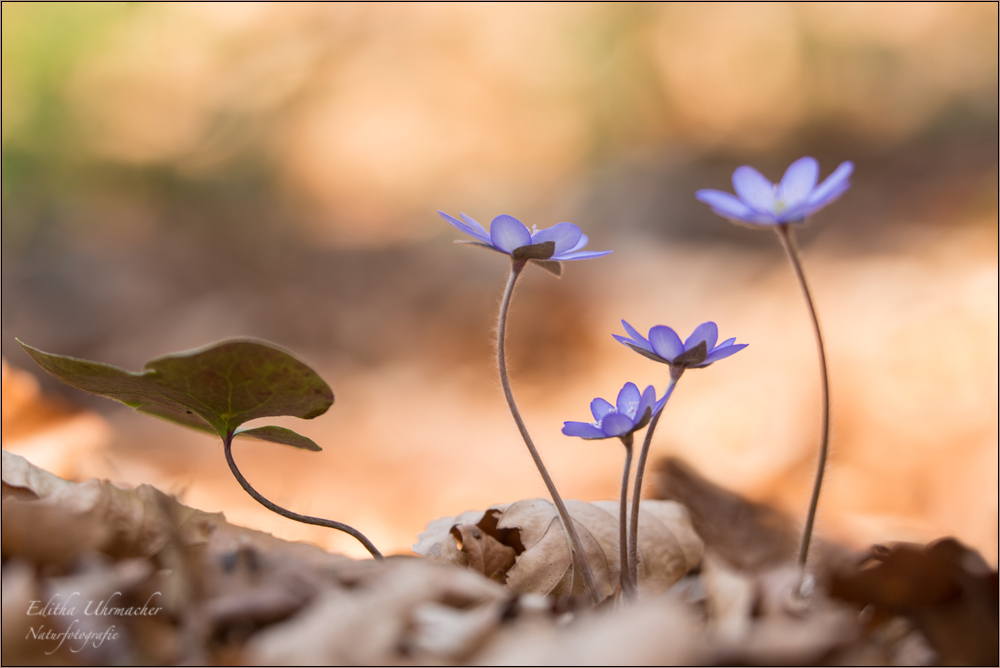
{"type": "Point", "coordinates": [628, 585]}
{"type": "Point", "coordinates": [788, 242]}
{"type": "Point", "coordinates": [580, 560]}
{"type": "Point", "coordinates": [339, 526]}
{"type": "Point", "coordinates": [633, 539]}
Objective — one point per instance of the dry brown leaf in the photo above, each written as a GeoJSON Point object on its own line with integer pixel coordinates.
{"type": "Point", "coordinates": [398, 610]}
{"type": "Point", "coordinates": [91, 515]}
{"type": "Point", "coordinates": [731, 600]}
{"type": "Point", "coordinates": [755, 618]}
{"type": "Point", "coordinates": [653, 632]}
{"type": "Point", "coordinates": [947, 590]}
{"type": "Point", "coordinates": [750, 536]}
{"type": "Point", "coordinates": [524, 545]}
{"type": "Point", "coordinates": [24, 480]}
{"type": "Point", "coordinates": [94, 540]}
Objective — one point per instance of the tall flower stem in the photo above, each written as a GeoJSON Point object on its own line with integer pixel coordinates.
{"type": "Point", "coordinates": [788, 242]}
{"type": "Point", "coordinates": [581, 564]}
{"type": "Point", "coordinates": [306, 519]}
{"type": "Point", "coordinates": [628, 584]}
{"type": "Point", "coordinates": [633, 539]}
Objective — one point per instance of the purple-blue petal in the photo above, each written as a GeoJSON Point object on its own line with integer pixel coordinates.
{"type": "Point", "coordinates": [628, 398]}
{"type": "Point", "coordinates": [601, 407]}
{"type": "Point", "coordinates": [508, 233]}
{"type": "Point", "coordinates": [647, 401]}
{"type": "Point", "coordinates": [665, 342]}
{"type": "Point", "coordinates": [581, 255]}
{"type": "Point", "coordinates": [754, 189]}
{"type": "Point", "coordinates": [722, 352]}
{"type": "Point", "coordinates": [644, 344]}
{"type": "Point", "coordinates": [474, 224]}
{"type": "Point", "coordinates": [832, 187]}
{"type": "Point", "coordinates": [480, 244]}
{"type": "Point", "coordinates": [707, 332]}
{"type": "Point", "coordinates": [583, 430]}
{"type": "Point", "coordinates": [580, 243]}
{"type": "Point", "coordinates": [637, 338]}
{"type": "Point", "coordinates": [726, 205]}
{"type": "Point", "coordinates": [727, 342]}
{"type": "Point", "coordinates": [758, 219]}
{"type": "Point", "coordinates": [467, 229]}
{"type": "Point", "coordinates": [565, 235]}
{"type": "Point", "coordinates": [798, 182]}
{"type": "Point", "coordinates": [616, 424]}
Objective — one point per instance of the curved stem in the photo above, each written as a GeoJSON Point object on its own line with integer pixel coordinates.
{"type": "Point", "coordinates": [633, 539]}
{"type": "Point", "coordinates": [228, 443]}
{"type": "Point", "coordinates": [785, 235]}
{"type": "Point", "coordinates": [576, 546]}
{"type": "Point", "coordinates": [628, 585]}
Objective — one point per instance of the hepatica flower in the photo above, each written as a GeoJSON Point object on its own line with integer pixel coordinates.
{"type": "Point", "coordinates": [796, 196]}
{"type": "Point", "coordinates": [758, 202]}
{"type": "Point", "coordinates": [664, 345]}
{"type": "Point", "coordinates": [630, 412]}
{"type": "Point", "coordinates": [508, 235]}
{"type": "Point", "coordinates": [546, 248]}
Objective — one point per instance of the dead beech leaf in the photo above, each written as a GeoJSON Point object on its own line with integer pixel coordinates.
{"type": "Point", "coordinates": [750, 536]}
{"type": "Point", "coordinates": [945, 588]}
{"type": "Point", "coordinates": [22, 479]}
{"type": "Point", "coordinates": [754, 618]}
{"type": "Point", "coordinates": [51, 520]}
{"type": "Point", "coordinates": [654, 632]}
{"type": "Point", "coordinates": [400, 610]}
{"type": "Point", "coordinates": [731, 599]}
{"type": "Point", "coordinates": [524, 546]}
{"type": "Point", "coordinates": [91, 515]}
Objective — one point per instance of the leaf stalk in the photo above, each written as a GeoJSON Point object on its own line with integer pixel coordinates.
{"type": "Point", "coordinates": [305, 519]}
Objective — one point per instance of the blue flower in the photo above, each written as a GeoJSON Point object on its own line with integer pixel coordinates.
{"type": "Point", "coordinates": [508, 235]}
{"type": "Point", "coordinates": [760, 202]}
{"type": "Point", "coordinates": [697, 351]}
{"type": "Point", "coordinates": [631, 411]}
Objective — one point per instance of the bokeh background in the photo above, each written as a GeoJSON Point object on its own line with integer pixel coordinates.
{"type": "Point", "coordinates": [178, 173]}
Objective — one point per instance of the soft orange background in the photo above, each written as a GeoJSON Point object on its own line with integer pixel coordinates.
{"type": "Point", "coordinates": [174, 174]}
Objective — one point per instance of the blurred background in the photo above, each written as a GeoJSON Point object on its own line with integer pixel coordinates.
{"type": "Point", "coordinates": [174, 174]}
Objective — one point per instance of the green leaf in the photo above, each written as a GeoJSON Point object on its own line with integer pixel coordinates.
{"type": "Point", "coordinates": [215, 388]}
{"type": "Point", "coordinates": [280, 435]}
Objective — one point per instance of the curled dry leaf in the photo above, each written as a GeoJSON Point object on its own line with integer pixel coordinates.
{"type": "Point", "coordinates": [755, 618]}
{"type": "Point", "coordinates": [524, 545]}
{"type": "Point", "coordinates": [51, 520]}
{"type": "Point", "coordinates": [748, 535]}
{"type": "Point", "coordinates": [401, 610]}
{"type": "Point", "coordinates": [946, 589]}
{"type": "Point", "coordinates": [653, 632]}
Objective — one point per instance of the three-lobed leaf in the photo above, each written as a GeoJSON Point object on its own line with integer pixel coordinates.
{"type": "Point", "coordinates": [215, 388]}
{"type": "Point", "coordinates": [280, 435]}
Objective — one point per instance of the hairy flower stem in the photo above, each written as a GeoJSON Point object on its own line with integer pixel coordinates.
{"type": "Point", "coordinates": [228, 443]}
{"type": "Point", "coordinates": [785, 235]}
{"type": "Point", "coordinates": [628, 584]}
{"type": "Point", "coordinates": [580, 561]}
{"type": "Point", "coordinates": [633, 539]}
